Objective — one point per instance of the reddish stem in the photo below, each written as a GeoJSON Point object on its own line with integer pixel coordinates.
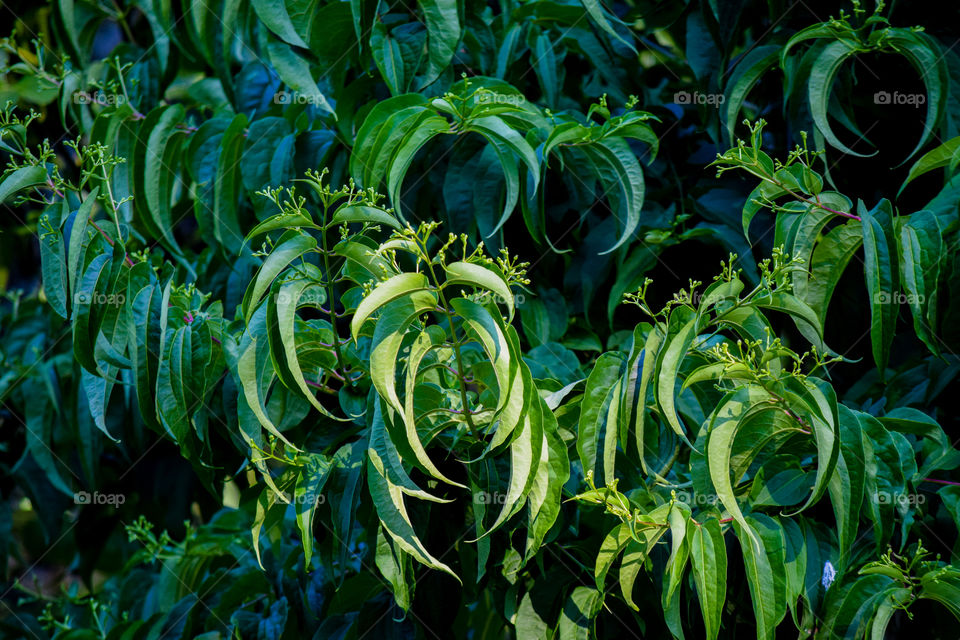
{"type": "Point", "coordinates": [323, 388]}
{"type": "Point", "coordinates": [839, 213]}
{"type": "Point", "coordinates": [111, 242]}
{"type": "Point", "coordinates": [946, 482]}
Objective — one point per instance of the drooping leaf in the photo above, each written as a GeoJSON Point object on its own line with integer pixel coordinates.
{"type": "Point", "coordinates": [708, 556]}
{"type": "Point", "coordinates": [763, 559]}
{"type": "Point", "coordinates": [881, 273]}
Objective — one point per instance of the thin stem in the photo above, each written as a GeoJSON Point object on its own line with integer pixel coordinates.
{"type": "Point", "coordinates": [456, 348]}
{"type": "Point", "coordinates": [946, 482]}
{"type": "Point", "coordinates": [815, 203]}
{"type": "Point", "coordinates": [323, 388]}
{"type": "Point", "coordinates": [111, 242]}
{"type": "Point", "coordinates": [121, 17]}
{"type": "Point", "coordinates": [669, 463]}
{"type": "Point", "coordinates": [331, 312]}
{"type": "Point", "coordinates": [113, 203]}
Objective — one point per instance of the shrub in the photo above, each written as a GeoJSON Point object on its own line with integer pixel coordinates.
{"type": "Point", "coordinates": [339, 320]}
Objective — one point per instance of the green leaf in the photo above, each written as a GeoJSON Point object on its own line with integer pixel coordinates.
{"type": "Point", "coordinates": [598, 416]}
{"type": "Point", "coordinates": [820, 86]}
{"type": "Point", "coordinates": [365, 215]}
{"type": "Point", "coordinates": [282, 307]}
{"type": "Point", "coordinates": [525, 450]}
{"type": "Point", "coordinates": [797, 555]}
{"type": "Point", "coordinates": [847, 483]}
{"type": "Point", "coordinates": [39, 416]}
{"type": "Point", "coordinates": [314, 471]}
{"type": "Point", "coordinates": [708, 556]}
{"type": "Point", "coordinates": [881, 272]}
{"type": "Point", "coordinates": [530, 626]}
{"type": "Point", "coordinates": [620, 173]}
{"type": "Point", "coordinates": [78, 238]}
{"type": "Point", "coordinates": [392, 327]}
{"type": "Point", "coordinates": [147, 328]}
{"type": "Point", "coordinates": [53, 265]}
{"type": "Point", "coordinates": [386, 291]}
{"type": "Point", "coordinates": [88, 309]}
{"type": "Point", "coordinates": [683, 330]}
{"type": "Point", "coordinates": [808, 231]}
{"type": "Point", "coordinates": [267, 509]}
{"type": "Point", "coordinates": [388, 57]}
{"type": "Point", "coordinates": [443, 34]}
{"type": "Point", "coordinates": [820, 402]}
{"type": "Point", "coordinates": [637, 553]}
{"type": "Point", "coordinates": [576, 619]}
{"type": "Point", "coordinates": [394, 565]}
{"type": "Point", "coordinates": [172, 403]}
{"type": "Point", "coordinates": [636, 390]}
{"type": "Point", "coordinates": [731, 411]}
{"type": "Point", "coordinates": [503, 354]}
{"type": "Point", "coordinates": [848, 610]}
{"type": "Point", "coordinates": [830, 258]}
{"type": "Point", "coordinates": [921, 253]}
{"type": "Point", "coordinates": [427, 127]}
{"type": "Point", "coordinates": [161, 141]}
{"type": "Point", "coordinates": [225, 223]}
{"type": "Point", "coordinates": [831, 30]}
{"type": "Point", "coordinates": [947, 154]}
{"type": "Point", "coordinates": [482, 277]}
{"type": "Point", "coordinates": [380, 135]}
{"type": "Point", "coordinates": [894, 600]}
{"type": "Point", "coordinates": [263, 138]}
{"type": "Point", "coordinates": [943, 586]}
{"type": "Point", "coordinates": [678, 517]}
{"type": "Point", "coordinates": [296, 74]}
{"type": "Point", "coordinates": [509, 145]}
{"type": "Point", "coordinates": [388, 500]}
{"type": "Point", "coordinates": [253, 380]}
{"type": "Point", "coordinates": [545, 493]}
{"type": "Point", "coordinates": [610, 549]}
{"type": "Point", "coordinates": [806, 320]}
{"type": "Point", "coordinates": [291, 246]}
{"type": "Point", "coordinates": [282, 221]}
{"type": "Point", "coordinates": [20, 179]}
{"type": "Point", "coordinates": [742, 79]}
{"type": "Point", "coordinates": [764, 563]}
{"type": "Point", "coordinates": [928, 59]}
{"type": "Point", "coordinates": [273, 14]}
{"type": "Point", "coordinates": [546, 67]}
{"type": "Point", "coordinates": [600, 16]}
{"type": "Point", "coordinates": [388, 456]}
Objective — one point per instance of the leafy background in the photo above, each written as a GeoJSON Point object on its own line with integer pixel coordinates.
{"type": "Point", "coordinates": [245, 395]}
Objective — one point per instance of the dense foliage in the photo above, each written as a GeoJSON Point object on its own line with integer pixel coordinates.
{"type": "Point", "coordinates": [534, 319]}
